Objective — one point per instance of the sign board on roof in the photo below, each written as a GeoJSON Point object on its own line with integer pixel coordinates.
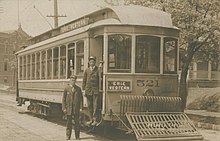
{"type": "Point", "coordinates": [74, 25]}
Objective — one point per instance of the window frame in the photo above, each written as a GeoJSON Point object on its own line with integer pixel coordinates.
{"type": "Point", "coordinates": [71, 47]}
{"type": "Point", "coordinates": [149, 56]}
{"type": "Point", "coordinates": [79, 57]}
{"type": "Point", "coordinates": [126, 70]}
{"type": "Point", "coordinates": [62, 59]}
{"type": "Point", "coordinates": [175, 58]}
{"type": "Point", "coordinates": [55, 58]}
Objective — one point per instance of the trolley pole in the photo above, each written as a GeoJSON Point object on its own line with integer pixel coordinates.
{"type": "Point", "coordinates": [56, 16]}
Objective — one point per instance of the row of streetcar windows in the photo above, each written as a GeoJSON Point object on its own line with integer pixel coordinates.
{"type": "Point", "coordinates": [147, 54]}
{"type": "Point", "coordinates": [51, 63]}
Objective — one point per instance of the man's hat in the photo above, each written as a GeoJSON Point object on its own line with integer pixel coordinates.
{"type": "Point", "coordinates": [92, 58]}
{"type": "Point", "coordinates": [73, 76]}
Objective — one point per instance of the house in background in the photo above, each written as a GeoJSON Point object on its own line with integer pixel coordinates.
{"type": "Point", "coordinates": [10, 42]}
{"type": "Point", "coordinates": [202, 73]}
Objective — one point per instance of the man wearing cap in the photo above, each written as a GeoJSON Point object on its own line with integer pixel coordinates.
{"type": "Point", "coordinates": [91, 87]}
{"type": "Point", "coordinates": [71, 105]}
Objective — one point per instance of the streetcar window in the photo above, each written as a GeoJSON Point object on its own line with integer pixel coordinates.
{"type": "Point", "coordinates": [38, 65]}
{"type": "Point", "coordinates": [49, 63]}
{"type": "Point", "coordinates": [119, 53]}
{"type": "Point", "coordinates": [55, 62]}
{"type": "Point", "coordinates": [43, 64]}
{"type": "Point", "coordinates": [28, 66]}
{"type": "Point", "coordinates": [147, 57]}
{"type": "Point", "coordinates": [20, 67]}
{"type": "Point", "coordinates": [5, 79]}
{"type": "Point", "coordinates": [62, 61]}
{"type": "Point", "coordinates": [24, 68]}
{"type": "Point", "coordinates": [5, 65]}
{"type": "Point", "coordinates": [71, 58]}
{"type": "Point", "coordinates": [33, 67]}
{"type": "Point", "coordinates": [170, 55]}
{"type": "Point", "coordinates": [80, 58]}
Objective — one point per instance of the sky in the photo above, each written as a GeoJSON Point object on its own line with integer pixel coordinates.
{"type": "Point", "coordinates": [34, 21]}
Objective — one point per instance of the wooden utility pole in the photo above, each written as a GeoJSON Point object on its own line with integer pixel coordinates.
{"type": "Point", "coordinates": [56, 16]}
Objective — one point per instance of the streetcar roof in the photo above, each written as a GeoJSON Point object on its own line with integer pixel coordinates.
{"type": "Point", "coordinates": [59, 37]}
{"type": "Point", "coordinates": [125, 15]}
{"type": "Point", "coordinates": [139, 15]}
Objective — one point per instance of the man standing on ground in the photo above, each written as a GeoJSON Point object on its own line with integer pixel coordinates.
{"type": "Point", "coordinates": [71, 105]}
{"type": "Point", "coordinates": [91, 87]}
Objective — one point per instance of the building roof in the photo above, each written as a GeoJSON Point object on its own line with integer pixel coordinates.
{"type": "Point", "coordinates": [20, 31]}
{"type": "Point", "coordinates": [15, 37]}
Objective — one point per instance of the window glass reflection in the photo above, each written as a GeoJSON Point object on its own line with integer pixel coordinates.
{"type": "Point", "coordinates": [62, 61]}
{"type": "Point", "coordinates": [80, 57]}
{"type": "Point", "coordinates": [33, 66]}
{"type": "Point", "coordinates": [147, 57]}
{"type": "Point", "coordinates": [21, 67]}
{"type": "Point", "coordinates": [43, 64]}
{"type": "Point", "coordinates": [49, 63]}
{"type": "Point", "coordinates": [71, 59]}
{"type": "Point", "coordinates": [119, 53]}
{"type": "Point", "coordinates": [55, 62]}
{"type": "Point", "coordinates": [38, 65]}
{"type": "Point", "coordinates": [28, 67]}
{"type": "Point", "coordinates": [170, 55]}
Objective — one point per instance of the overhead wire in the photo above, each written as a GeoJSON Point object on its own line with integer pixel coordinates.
{"type": "Point", "coordinates": [28, 5]}
{"type": "Point", "coordinates": [43, 17]}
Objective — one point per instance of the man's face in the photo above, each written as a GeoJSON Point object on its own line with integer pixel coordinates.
{"type": "Point", "coordinates": [72, 81]}
{"type": "Point", "coordinates": [91, 63]}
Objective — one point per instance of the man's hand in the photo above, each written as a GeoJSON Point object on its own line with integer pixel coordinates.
{"type": "Point", "coordinates": [64, 111]}
{"type": "Point", "coordinates": [83, 92]}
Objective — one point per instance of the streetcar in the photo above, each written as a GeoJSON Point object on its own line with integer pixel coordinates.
{"type": "Point", "coordinates": [137, 54]}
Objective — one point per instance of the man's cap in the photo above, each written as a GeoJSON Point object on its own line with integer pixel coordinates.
{"type": "Point", "coordinates": [73, 76]}
{"type": "Point", "coordinates": [92, 58]}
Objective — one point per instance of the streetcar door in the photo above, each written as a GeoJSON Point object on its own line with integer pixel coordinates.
{"type": "Point", "coordinates": [96, 49]}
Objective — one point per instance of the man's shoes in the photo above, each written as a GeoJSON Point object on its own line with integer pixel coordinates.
{"type": "Point", "coordinates": [77, 135]}
{"type": "Point", "coordinates": [67, 138]}
{"type": "Point", "coordinates": [89, 122]}
{"type": "Point", "coordinates": [19, 104]}
{"type": "Point", "coordinates": [94, 123]}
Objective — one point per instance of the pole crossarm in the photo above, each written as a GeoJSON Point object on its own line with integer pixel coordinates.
{"type": "Point", "coordinates": [56, 15]}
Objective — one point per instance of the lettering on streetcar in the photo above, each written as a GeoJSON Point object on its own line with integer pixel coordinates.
{"type": "Point", "coordinates": [148, 83]}
{"type": "Point", "coordinates": [74, 25]}
{"type": "Point", "coordinates": [119, 85]}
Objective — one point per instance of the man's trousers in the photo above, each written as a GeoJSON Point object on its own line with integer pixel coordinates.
{"type": "Point", "coordinates": [76, 125]}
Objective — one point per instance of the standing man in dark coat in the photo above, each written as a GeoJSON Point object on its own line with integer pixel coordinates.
{"type": "Point", "coordinates": [91, 87]}
{"type": "Point", "coordinates": [71, 105]}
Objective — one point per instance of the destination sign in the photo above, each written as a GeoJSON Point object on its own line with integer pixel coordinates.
{"type": "Point", "coordinates": [74, 25]}
{"type": "Point", "coordinates": [119, 85]}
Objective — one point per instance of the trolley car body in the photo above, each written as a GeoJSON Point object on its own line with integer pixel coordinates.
{"type": "Point", "coordinates": [136, 50]}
